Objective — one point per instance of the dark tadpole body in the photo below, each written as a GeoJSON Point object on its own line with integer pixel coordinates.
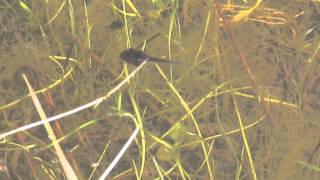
{"type": "Point", "coordinates": [115, 25]}
{"type": "Point", "coordinates": [136, 57]}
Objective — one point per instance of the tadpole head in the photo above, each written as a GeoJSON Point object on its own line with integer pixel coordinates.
{"type": "Point", "coordinates": [133, 56]}
{"type": "Point", "coordinates": [116, 25]}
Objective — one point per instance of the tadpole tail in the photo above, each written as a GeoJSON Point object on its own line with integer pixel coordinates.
{"type": "Point", "coordinates": [160, 60]}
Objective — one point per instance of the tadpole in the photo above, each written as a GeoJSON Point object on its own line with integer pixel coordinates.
{"type": "Point", "coordinates": [136, 57]}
